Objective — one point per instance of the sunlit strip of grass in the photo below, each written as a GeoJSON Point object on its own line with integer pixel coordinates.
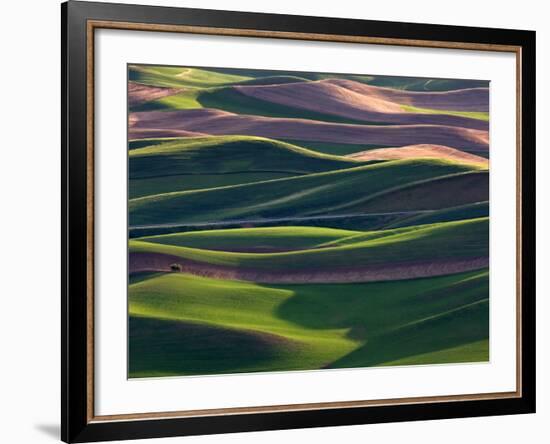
{"type": "Point", "coordinates": [478, 115]}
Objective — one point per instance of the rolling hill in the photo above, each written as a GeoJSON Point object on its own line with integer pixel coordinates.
{"type": "Point", "coordinates": [254, 239]}
{"type": "Point", "coordinates": [179, 77]}
{"type": "Point", "coordinates": [182, 324]}
{"type": "Point", "coordinates": [467, 99]}
{"type": "Point", "coordinates": [400, 83]}
{"type": "Point", "coordinates": [411, 252]}
{"type": "Point", "coordinates": [325, 100]}
{"type": "Point", "coordinates": [215, 122]}
{"type": "Point", "coordinates": [359, 103]}
{"type": "Point", "coordinates": [139, 94]}
{"type": "Point", "coordinates": [163, 165]}
{"type": "Point", "coordinates": [282, 220]}
{"type": "Point", "coordinates": [420, 151]}
{"type": "Point", "coordinates": [341, 191]}
{"type": "Point", "coordinates": [469, 211]}
{"type": "Point", "coordinates": [424, 83]}
{"type": "Point", "coordinates": [432, 194]}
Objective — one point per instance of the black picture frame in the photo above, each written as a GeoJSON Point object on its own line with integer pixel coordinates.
{"type": "Point", "coordinates": [77, 425]}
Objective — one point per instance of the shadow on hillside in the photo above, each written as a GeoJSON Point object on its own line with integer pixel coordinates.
{"type": "Point", "coordinates": [160, 347]}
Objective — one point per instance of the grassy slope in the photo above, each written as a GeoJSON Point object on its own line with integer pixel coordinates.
{"type": "Point", "coordinates": [437, 193]}
{"type": "Point", "coordinates": [257, 152]}
{"type": "Point", "coordinates": [161, 347]}
{"type": "Point", "coordinates": [297, 196]}
{"type": "Point", "coordinates": [158, 185]}
{"type": "Point", "coordinates": [183, 100]}
{"type": "Point", "coordinates": [183, 324]}
{"type": "Point", "coordinates": [273, 80]}
{"type": "Point", "coordinates": [469, 211]}
{"type": "Point", "coordinates": [266, 73]}
{"type": "Point", "coordinates": [205, 89]}
{"type": "Point", "coordinates": [352, 223]}
{"type": "Point", "coordinates": [190, 77]}
{"type": "Point", "coordinates": [477, 351]}
{"type": "Point", "coordinates": [180, 77]}
{"type": "Point", "coordinates": [424, 84]}
{"type": "Point", "coordinates": [231, 100]}
{"type": "Point", "coordinates": [362, 223]}
{"type": "Point", "coordinates": [179, 164]}
{"type": "Point", "coordinates": [464, 325]}
{"type": "Point", "coordinates": [406, 83]}
{"type": "Point", "coordinates": [432, 243]}
{"type": "Point", "coordinates": [479, 115]}
{"type": "Point", "coordinates": [200, 97]}
{"type": "Point", "coordinates": [337, 149]}
{"type": "Point", "coordinates": [272, 237]}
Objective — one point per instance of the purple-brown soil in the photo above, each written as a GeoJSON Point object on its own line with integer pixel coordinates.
{"type": "Point", "coordinates": [369, 104]}
{"type": "Point", "coordinates": [215, 122]}
{"type": "Point", "coordinates": [421, 151]}
{"type": "Point", "coordinates": [142, 262]}
{"type": "Point", "coordinates": [469, 99]}
{"type": "Point", "coordinates": [138, 93]}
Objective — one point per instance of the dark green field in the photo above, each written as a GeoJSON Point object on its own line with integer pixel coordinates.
{"type": "Point", "coordinates": [252, 253]}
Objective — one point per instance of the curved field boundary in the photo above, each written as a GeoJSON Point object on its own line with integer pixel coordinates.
{"type": "Point", "coordinates": [468, 99]}
{"type": "Point", "coordinates": [229, 155]}
{"type": "Point", "coordinates": [180, 77]}
{"type": "Point", "coordinates": [138, 134]}
{"type": "Point", "coordinates": [138, 93]}
{"type": "Point", "coordinates": [308, 195]}
{"type": "Point", "coordinates": [327, 97]}
{"type": "Point", "coordinates": [158, 262]}
{"type": "Point", "coordinates": [433, 194]}
{"type": "Point", "coordinates": [437, 243]}
{"type": "Point", "coordinates": [267, 239]}
{"type": "Point", "coordinates": [215, 122]}
{"type": "Point", "coordinates": [421, 151]}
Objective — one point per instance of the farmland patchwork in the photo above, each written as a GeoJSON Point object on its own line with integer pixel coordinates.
{"type": "Point", "coordinates": [286, 221]}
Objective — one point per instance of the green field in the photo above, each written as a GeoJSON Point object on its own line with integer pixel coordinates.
{"type": "Point", "coordinates": [276, 238]}
{"type": "Point", "coordinates": [342, 191]}
{"type": "Point", "coordinates": [251, 254]}
{"type": "Point", "coordinates": [209, 88]}
{"type": "Point", "coordinates": [231, 100]}
{"type": "Point", "coordinates": [337, 149]}
{"type": "Point", "coordinates": [211, 76]}
{"type": "Point", "coordinates": [231, 326]}
{"type": "Point", "coordinates": [178, 164]}
{"type": "Point", "coordinates": [438, 242]}
{"type": "Point", "coordinates": [176, 77]}
{"type": "Point", "coordinates": [479, 115]}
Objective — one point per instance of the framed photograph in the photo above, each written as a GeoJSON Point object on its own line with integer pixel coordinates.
{"type": "Point", "coordinates": [275, 221]}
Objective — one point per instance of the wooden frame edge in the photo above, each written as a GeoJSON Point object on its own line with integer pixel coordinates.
{"type": "Point", "coordinates": [338, 38]}
{"type": "Point", "coordinates": [90, 237]}
{"type": "Point", "coordinates": [304, 407]}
